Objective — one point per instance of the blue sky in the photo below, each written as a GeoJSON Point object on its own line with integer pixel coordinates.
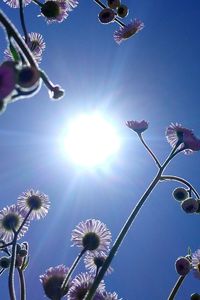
{"type": "Point", "coordinates": [153, 76]}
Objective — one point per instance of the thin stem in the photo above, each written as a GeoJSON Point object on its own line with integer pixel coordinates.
{"type": "Point", "coordinates": [170, 156]}
{"type": "Point", "coordinates": [38, 3]}
{"type": "Point", "coordinates": [24, 221]}
{"type": "Point", "coordinates": [150, 151]}
{"type": "Point", "coordinates": [1, 271]}
{"type": "Point", "coordinates": [98, 2]}
{"type": "Point", "coordinates": [127, 225]}
{"type": "Point", "coordinates": [179, 179]}
{"type": "Point", "coordinates": [21, 12]}
{"type": "Point", "coordinates": [22, 284]}
{"type": "Point", "coordinates": [12, 31]}
{"type": "Point", "coordinates": [5, 245]}
{"type": "Point", "coordinates": [121, 236]}
{"type": "Point", "coordinates": [71, 270]}
{"type": "Point", "coordinates": [11, 271]}
{"type": "Point", "coordinates": [176, 288]}
{"type": "Point", "coordinates": [47, 81]}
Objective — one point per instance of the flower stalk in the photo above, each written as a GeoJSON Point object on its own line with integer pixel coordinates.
{"type": "Point", "coordinates": [12, 268]}
{"type": "Point", "coordinates": [128, 224]}
{"type": "Point", "coordinates": [176, 288]}
{"type": "Point", "coordinates": [71, 270]}
{"type": "Point", "coordinates": [22, 284]}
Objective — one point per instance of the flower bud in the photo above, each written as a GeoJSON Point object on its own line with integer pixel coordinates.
{"type": "Point", "coordinates": [180, 194]}
{"type": "Point", "coordinates": [122, 11]}
{"type": "Point", "coordinates": [18, 248]}
{"type": "Point", "coordinates": [189, 205]}
{"type": "Point", "coordinates": [56, 93]}
{"type": "Point", "coordinates": [18, 261]}
{"type": "Point", "coordinates": [182, 266]}
{"type": "Point", "coordinates": [198, 210]}
{"type": "Point", "coordinates": [23, 252]}
{"type": "Point", "coordinates": [4, 262]}
{"type": "Point", "coordinates": [195, 297]}
{"type": "Point", "coordinates": [113, 3]}
{"type": "Point", "coordinates": [106, 16]}
{"type": "Point", "coordinates": [28, 78]}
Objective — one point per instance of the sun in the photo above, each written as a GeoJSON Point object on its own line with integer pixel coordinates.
{"type": "Point", "coordinates": [90, 140]}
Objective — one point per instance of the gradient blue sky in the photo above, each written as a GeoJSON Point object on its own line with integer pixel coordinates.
{"type": "Point", "coordinates": [153, 76]}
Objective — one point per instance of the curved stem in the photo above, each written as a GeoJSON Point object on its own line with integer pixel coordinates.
{"type": "Point", "coordinates": [71, 270]}
{"type": "Point", "coordinates": [179, 179]}
{"type": "Point", "coordinates": [21, 12]}
{"type": "Point", "coordinates": [12, 31]}
{"type": "Point", "coordinates": [150, 151]}
{"type": "Point", "coordinates": [12, 268]}
{"type": "Point", "coordinates": [176, 288]}
{"type": "Point", "coordinates": [22, 284]}
{"type": "Point", "coordinates": [98, 2]}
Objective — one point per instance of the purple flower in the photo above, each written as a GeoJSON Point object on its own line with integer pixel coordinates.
{"type": "Point", "coordinates": [182, 266]}
{"type": "Point", "coordinates": [56, 10]}
{"type": "Point", "coordinates": [10, 220]}
{"type": "Point", "coordinates": [94, 261]}
{"type": "Point", "coordinates": [7, 79]}
{"type": "Point", "coordinates": [35, 43]}
{"type": "Point", "coordinates": [35, 201]}
{"type": "Point", "coordinates": [91, 235]}
{"type": "Point", "coordinates": [52, 281]}
{"type": "Point", "coordinates": [196, 263]}
{"type": "Point", "coordinates": [80, 286]}
{"type": "Point", "coordinates": [176, 134]}
{"type": "Point", "coordinates": [15, 3]}
{"type": "Point", "coordinates": [136, 126]}
{"type": "Point", "coordinates": [127, 31]}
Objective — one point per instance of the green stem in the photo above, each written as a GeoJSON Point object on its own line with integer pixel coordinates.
{"type": "Point", "coordinates": [22, 284]}
{"type": "Point", "coordinates": [179, 179]}
{"type": "Point", "coordinates": [149, 150]}
{"type": "Point", "coordinates": [21, 12]}
{"type": "Point", "coordinates": [12, 31]}
{"type": "Point", "coordinates": [176, 287]}
{"type": "Point", "coordinates": [98, 2]}
{"type": "Point", "coordinates": [127, 226]}
{"type": "Point", "coordinates": [71, 270]}
{"type": "Point", "coordinates": [12, 268]}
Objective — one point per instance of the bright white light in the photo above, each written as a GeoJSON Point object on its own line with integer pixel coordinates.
{"type": "Point", "coordinates": [90, 140]}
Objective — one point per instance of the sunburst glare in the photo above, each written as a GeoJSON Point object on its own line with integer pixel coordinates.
{"type": "Point", "coordinates": [90, 140]}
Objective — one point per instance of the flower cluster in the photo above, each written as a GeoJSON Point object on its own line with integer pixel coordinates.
{"type": "Point", "coordinates": [15, 219]}
{"type": "Point", "coordinates": [35, 43]}
{"type": "Point", "coordinates": [94, 238]}
{"type": "Point", "coordinates": [113, 12]}
{"type": "Point", "coordinates": [188, 203]}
